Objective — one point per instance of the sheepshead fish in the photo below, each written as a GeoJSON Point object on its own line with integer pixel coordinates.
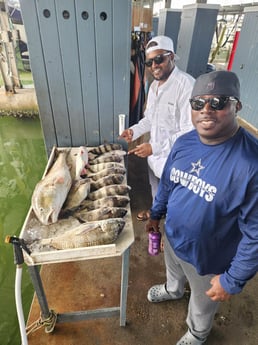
{"type": "Point", "coordinates": [106, 172]}
{"type": "Point", "coordinates": [50, 193]}
{"type": "Point", "coordinates": [113, 153]}
{"type": "Point", "coordinates": [104, 159]}
{"type": "Point", "coordinates": [113, 189]}
{"type": "Point", "coordinates": [107, 180]}
{"type": "Point", "coordinates": [78, 192]}
{"type": "Point", "coordinates": [112, 201]}
{"type": "Point", "coordinates": [98, 150]}
{"type": "Point", "coordinates": [100, 166]}
{"type": "Point", "coordinates": [100, 213]}
{"type": "Point", "coordinates": [88, 234]}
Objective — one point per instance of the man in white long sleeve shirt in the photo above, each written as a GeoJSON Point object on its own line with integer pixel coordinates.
{"type": "Point", "coordinates": [167, 114]}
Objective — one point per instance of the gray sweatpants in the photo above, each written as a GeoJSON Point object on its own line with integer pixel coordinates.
{"type": "Point", "coordinates": [201, 309]}
{"type": "Point", "coordinates": [154, 182]}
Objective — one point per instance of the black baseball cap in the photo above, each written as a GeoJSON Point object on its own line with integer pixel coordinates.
{"type": "Point", "coordinates": [219, 83]}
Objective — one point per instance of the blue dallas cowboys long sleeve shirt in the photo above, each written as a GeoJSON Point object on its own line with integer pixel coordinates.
{"type": "Point", "coordinates": [210, 197]}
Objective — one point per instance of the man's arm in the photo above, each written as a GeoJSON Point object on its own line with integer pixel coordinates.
{"type": "Point", "coordinates": [245, 263]}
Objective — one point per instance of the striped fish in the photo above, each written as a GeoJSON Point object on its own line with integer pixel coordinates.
{"type": "Point", "coordinates": [100, 213]}
{"type": "Point", "coordinates": [112, 201]}
{"type": "Point", "coordinates": [105, 172]}
{"type": "Point", "coordinates": [105, 159]}
{"type": "Point", "coordinates": [107, 180]}
{"type": "Point", "coordinates": [98, 150]}
{"type": "Point", "coordinates": [94, 168]}
{"type": "Point", "coordinates": [113, 189]}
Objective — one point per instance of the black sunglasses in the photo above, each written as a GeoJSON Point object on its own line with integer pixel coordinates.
{"type": "Point", "coordinates": [216, 103]}
{"type": "Point", "coordinates": [157, 59]}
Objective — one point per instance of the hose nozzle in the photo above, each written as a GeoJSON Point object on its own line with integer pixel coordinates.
{"type": "Point", "coordinates": [18, 245]}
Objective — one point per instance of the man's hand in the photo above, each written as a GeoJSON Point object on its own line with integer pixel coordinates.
{"type": "Point", "coordinates": [127, 135]}
{"type": "Point", "coordinates": [143, 150]}
{"type": "Point", "coordinates": [152, 225]}
{"type": "Point", "coordinates": [216, 292]}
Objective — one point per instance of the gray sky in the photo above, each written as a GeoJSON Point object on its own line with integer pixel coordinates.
{"type": "Point", "coordinates": [180, 3]}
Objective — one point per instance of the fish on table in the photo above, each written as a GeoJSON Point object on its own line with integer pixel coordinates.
{"type": "Point", "coordinates": [77, 161]}
{"type": "Point", "coordinates": [35, 230]}
{"type": "Point", "coordinates": [107, 154]}
{"type": "Point", "coordinates": [98, 150]}
{"type": "Point", "coordinates": [102, 158]}
{"type": "Point", "coordinates": [112, 201]}
{"type": "Point", "coordinates": [87, 234]}
{"type": "Point", "coordinates": [78, 192]}
{"type": "Point", "coordinates": [94, 168]}
{"type": "Point", "coordinates": [51, 191]}
{"type": "Point", "coordinates": [106, 180]}
{"type": "Point", "coordinates": [100, 213]}
{"type": "Point", "coordinates": [113, 189]}
{"type": "Point", "coordinates": [106, 158]}
{"type": "Point", "coordinates": [105, 172]}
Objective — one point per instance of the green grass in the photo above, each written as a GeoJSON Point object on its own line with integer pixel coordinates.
{"type": "Point", "coordinates": [25, 76]}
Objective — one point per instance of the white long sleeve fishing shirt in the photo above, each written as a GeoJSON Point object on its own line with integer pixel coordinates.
{"type": "Point", "coordinates": [167, 116]}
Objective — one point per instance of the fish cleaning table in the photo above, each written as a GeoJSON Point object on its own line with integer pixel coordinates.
{"type": "Point", "coordinates": [121, 248]}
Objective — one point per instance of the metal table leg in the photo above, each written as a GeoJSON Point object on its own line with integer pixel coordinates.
{"type": "Point", "coordinates": [77, 316]}
{"type": "Point", "coordinates": [37, 283]}
{"type": "Point", "coordinates": [124, 286]}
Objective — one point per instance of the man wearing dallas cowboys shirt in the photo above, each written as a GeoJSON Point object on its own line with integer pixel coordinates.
{"type": "Point", "coordinates": [209, 194]}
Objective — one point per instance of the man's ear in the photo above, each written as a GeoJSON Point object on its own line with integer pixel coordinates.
{"type": "Point", "coordinates": [238, 106]}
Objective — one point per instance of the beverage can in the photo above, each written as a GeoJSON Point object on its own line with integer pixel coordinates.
{"type": "Point", "coordinates": [154, 242]}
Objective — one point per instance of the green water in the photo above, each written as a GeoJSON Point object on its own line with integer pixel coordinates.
{"type": "Point", "coordinates": [22, 162]}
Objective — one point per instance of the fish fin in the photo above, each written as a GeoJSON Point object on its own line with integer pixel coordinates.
{"type": "Point", "coordinates": [106, 210]}
{"type": "Point", "coordinates": [86, 227]}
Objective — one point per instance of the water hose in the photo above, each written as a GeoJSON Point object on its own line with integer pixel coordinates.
{"type": "Point", "coordinates": [18, 301]}
{"type": "Point", "coordinates": [18, 245]}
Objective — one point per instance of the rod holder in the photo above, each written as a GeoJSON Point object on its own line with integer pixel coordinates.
{"type": "Point", "coordinates": [121, 118]}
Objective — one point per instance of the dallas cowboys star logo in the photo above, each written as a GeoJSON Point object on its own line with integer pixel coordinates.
{"type": "Point", "coordinates": [197, 167]}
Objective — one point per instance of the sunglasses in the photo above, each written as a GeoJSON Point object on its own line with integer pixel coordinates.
{"type": "Point", "coordinates": [158, 59]}
{"type": "Point", "coordinates": [216, 103]}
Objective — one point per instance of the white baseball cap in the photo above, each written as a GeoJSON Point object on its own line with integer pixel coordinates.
{"type": "Point", "coordinates": [161, 42]}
